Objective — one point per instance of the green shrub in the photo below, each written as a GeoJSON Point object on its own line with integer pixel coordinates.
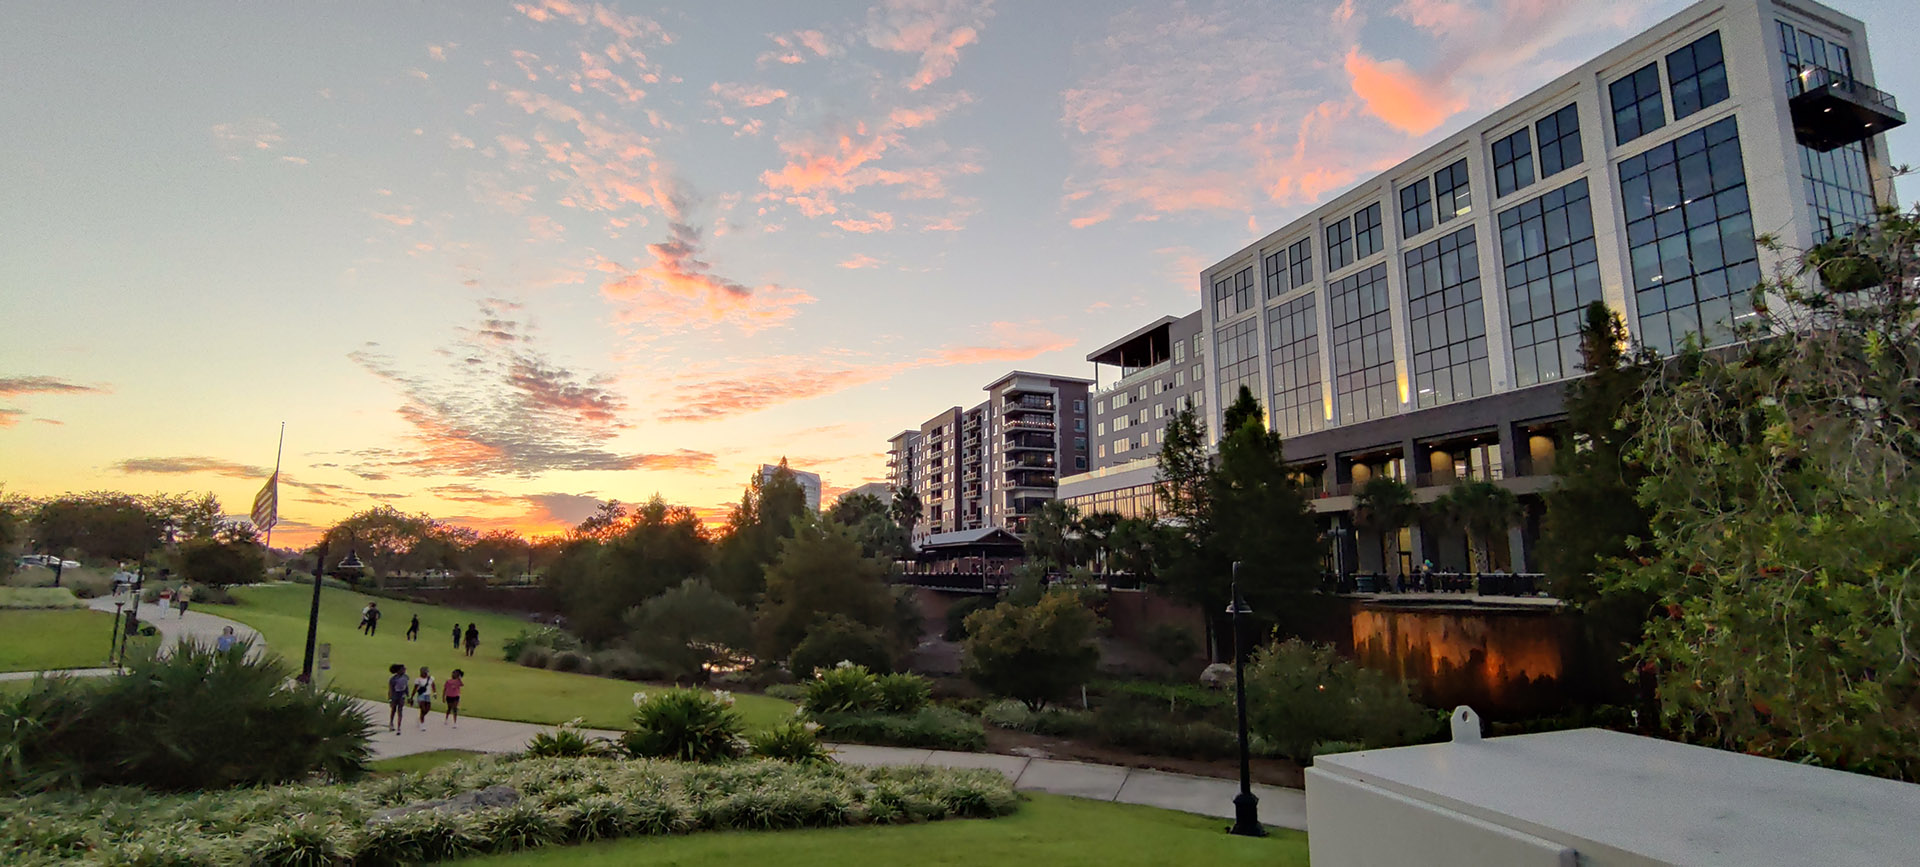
{"type": "Point", "coordinates": [210, 594]}
{"type": "Point", "coordinates": [534, 656]}
{"type": "Point", "coordinates": [1171, 644]}
{"type": "Point", "coordinates": [790, 741]}
{"type": "Point", "coordinates": [932, 727]}
{"type": "Point", "coordinates": [546, 636]}
{"type": "Point", "coordinates": [154, 728]}
{"type": "Point", "coordinates": [426, 836]}
{"type": "Point", "coordinates": [521, 826]}
{"type": "Point", "coordinates": [1300, 694]}
{"type": "Point", "coordinates": [1052, 722]}
{"type": "Point", "coordinates": [1186, 701]}
{"type": "Point", "coordinates": [628, 665]}
{"type": "Point", "coordinates": [687, 725]}
{"type": "Point", "coordinates": [566, 741]}
{"type": "Point", "coordinates": [1163, 737]}
{"type": "Point", "coordinates": [957, 615]}
{"type": "Point", "coordinates": [1328, 748]}
{"type": "Point", "coordinates": [792, 692]}
{"type": "Point", "coordinates": [833, 640]}
{"type": "Point", "coordinates": [904, 693]}
{"type": "Point", "coordinates": [1034, 654]}
{"type": "Point", "coordinates": [843, 689]}
{"type": "Point", "coordinates": [301, 841]}
{"type": "Point", "coordinates": [570, 660]}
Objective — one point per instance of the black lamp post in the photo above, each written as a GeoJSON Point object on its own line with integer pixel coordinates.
{"type": "Point", "coordinates": [1246, 805]}
{"type": "Point", "coordinates": [1339, 535]}
{"type": "Point", "coordinates": [313, 612]}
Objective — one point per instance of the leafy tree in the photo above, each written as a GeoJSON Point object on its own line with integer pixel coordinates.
{"type": "Point", "coordinates": [657, 546]}
{"type": "Point", "coordinates": [820, 573]}
{"type": "Point", "coordinates": [764, 517]}
{"type": "Point", "coordinates": [1052, 537]}
{"type": "Point", "coordinates": [1032, 653]}
{"type": "Point", "coordinates": [1096, 538]}
{"type": "Point", "coordinates": [1785, 532]}
{"type": "Point", "coordinates": [1260, 518]}
{"type": "Point", "coordinates": [834, 639]}
{"type": "Point", "coordinates": [503, 552]}
{"type": "Point", "coordinates": [381, 537]}
{"type": "Point", "coordinates": [1484, 510]}
{"type": "Point", "coordinates": [606, 522]}
{"type": "Point", "coordinates": [689, 628]}
{"type": "Point", "coordinates": [1383, 506]}
{"type": "Point", "coordinates": [906, 509]}
{"type": "Point", "coordinates": [873, 524]}
{"type": "Point", "coordinates": [851, 509]}
{"type": "Point", "coordinates": [232, 556]}
{"type": "Point", "coordinates": [1135, 545]}
{"type": "Point", "coordinates": [103, 524]}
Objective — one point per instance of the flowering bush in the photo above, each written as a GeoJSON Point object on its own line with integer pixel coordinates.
{"type": "Point", "coordinates": [844, 688]}
{"type": "Point", "coordinates": [567, 741]}
{"type": "Point", "coordinates": [687, 725]}
{"type": "Point", "coordinates": [790, 741]}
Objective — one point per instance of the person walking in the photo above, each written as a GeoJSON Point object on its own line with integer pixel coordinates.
{"type": "Point", "coordinates": [473, 637]}
{"type": "Point", "coordinates": [180, 600]}
{"type": "Point", "coordinates": [423, 695]}
{"type": "Point", "coordinates": [373, 618]}
{"type": "Point", "coordinates": [451, 692]}
{"type": "Point", "coordinates": [397, 685]}
{"type": "Point", "coordinates": [225, 642]}
{"type": "Point", "coordinates": [366, 617]}
{"type": "Point", "coordinates": [456, 636]}
{"type": "Point", "coordinates": [413, 629]}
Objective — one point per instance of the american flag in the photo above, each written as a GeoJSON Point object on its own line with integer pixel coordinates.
{"type": "Point", "coordinates": [266, 505]}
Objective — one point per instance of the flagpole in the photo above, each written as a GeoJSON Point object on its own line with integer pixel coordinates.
{"type": "Point", "coordinates": [276, 476]}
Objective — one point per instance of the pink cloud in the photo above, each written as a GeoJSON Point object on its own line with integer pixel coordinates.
{"type": "Point", "coordinates": [860, 261]}
{"type": "Point", "coordinates": [679, 290]}
{"type": "Point", "coordinates": [1406, 100]}
{"type": "Point", "coordinates": [396, 219]}
{"type": "Point", "coordinates": [880, 221]}
{"type": "Point", "coordinates": [935, 30]}
{"type": "Point", "coordinates": [747, 95]}
{"type": "Point", "coordinates": [789, 47]}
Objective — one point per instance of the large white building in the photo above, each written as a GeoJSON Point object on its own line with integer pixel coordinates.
{"type": "Point", "coordinates": [1421, 325]}
{"type": "Point", "coordinates": [809, 482]}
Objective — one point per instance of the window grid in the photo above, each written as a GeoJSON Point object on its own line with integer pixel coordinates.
{"type": "Point", "coordinates": [1293, 332]}
{"type": "Point", "coordinates": [1364, 383]}
{"type": "Point", "coordinates": [1451, 195]}
{"type": "Point", "coordinates": [1697, 75]}
{"type": "Point", "coordinates": [1238, 346]}
{"type": "Point", "coordinates": [1637, 106]}
{"type": "Point", "coordinates": [1339, 245]}
{"type": "Point", "coordinates": [1690, 237]}
{"type": "Point", "coordinates": [1839, 185]}
{"type": "Point", "coordinates": [1233, 295]}
{"type": "Point", "coordinates": [1416, 208]}
{"type": "Point", "coordinates": [1559, 138]}
{"type": "Point", "coordinates": [1300, 263]}
{"type": "Point", "coordinates": [1368, 239]}
{"type": "Point", "coordinates": [1512, 162]}
{"type": "Point", "coordinates": [1551, 275]}
{"type": "Point", "coordinates": [1448, 321]}
{"type": "Point", "coordinates": [1276, 273]}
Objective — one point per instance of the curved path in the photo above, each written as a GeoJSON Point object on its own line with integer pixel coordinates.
{"type": "Point", "coordinates": [1208, 796]}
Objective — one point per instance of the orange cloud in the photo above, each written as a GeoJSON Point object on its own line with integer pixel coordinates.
{"type": "Point", "coordinates": [934, 29]}
{"type": "Point", "coordinates": [396, 219]}
{"type": "Point", "coordinates": [881, 221]}
{"type": "Point", "coordinates": [10, 416]}
{"type": "Point", "coordinates": [747, 95]}
{"type": "Point", "coordinates": [679, 290]}
{"type": "Point", "coordinates": [17, 385]}
{"type": "Point", "coordinates": [1406, 100]}
{"type": "Point", "coordinates": [860, 261]}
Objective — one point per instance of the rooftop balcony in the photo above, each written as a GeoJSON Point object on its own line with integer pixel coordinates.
{"type": "Point", "coordinates": [1834, 110]}
{"type": "Point", "coordinates": [1135, 376]}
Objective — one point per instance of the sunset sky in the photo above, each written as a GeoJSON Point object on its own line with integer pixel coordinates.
{"type": "Point", "coordinates": [501, 261]}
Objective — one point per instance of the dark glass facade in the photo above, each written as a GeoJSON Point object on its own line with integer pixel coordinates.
{"type": "Point", "coordinates": [1559, 137]}
{"type": "Point", "coordinates": [1839, 183]}
{"type": "Point", "coordinates": [1233, 295]}
{"type": "Point", "coordinates": [1512, 162]}
{"type": "Point", "coordinates": [1339, 245]}
{"type": "Point", "coordinates": [1697, 75]}
{"type": "Point", "coordinates": [1551, 274]}
{"type": "Point", "coordinates": [1452, 197]}
{"type": "Point", "coordinates": [1690, 237]}
{"type": "Point", "coordinates": [1364, 384]}
{"type": "Point", "coordinates": [1238, 347]}
{"type": "Point", "coordinates": [1368, 238]}
{"type": "Point", "coordinates": [1448, 321]}
{"type": "Point", "coordinates": [1637, 106]}
{"type": "Point", "coordinates": [1294, 333]}
{"type": "Point", "coordinates": [1416, 208]}
{"type": "Point", "coordinates": [1300, 263]}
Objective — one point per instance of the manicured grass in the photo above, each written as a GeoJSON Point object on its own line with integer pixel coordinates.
{"type": "Point", "coordinates": [40, 640]}
{"type": "Point", "coordinates": [39, 597]}
{"type": "Point", "coordinates": [495, 688]}
{"type": "Point", "coordinates": [1049, 829]}
{"type": "Point", "coordinates": [419, 761]}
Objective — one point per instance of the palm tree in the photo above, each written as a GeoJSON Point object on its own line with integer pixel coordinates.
{"type": "Point", "coordinates": [906, 509]}
{"type": "Point", "coordinates": [1053, 535]}
{"type": "Point", "coordinates": [1383, 506]}
{"type": "Point", "coordinates": [1482, 509]}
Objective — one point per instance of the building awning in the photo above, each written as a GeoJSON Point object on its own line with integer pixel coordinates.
{"type": "Point", "coordinates": [985, 541]}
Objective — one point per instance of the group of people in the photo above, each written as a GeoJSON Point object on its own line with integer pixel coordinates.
{"type": "Point", "coordinates": [421, 692]}
{"type": "Point", "coordinates": [370, 624]}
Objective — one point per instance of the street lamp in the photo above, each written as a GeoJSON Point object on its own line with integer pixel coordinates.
{"type": "Point", "coordinates": [352, 561]}
{"type": "Point", "coordinates": [1339, 535]}
{"type": "Point", "coordinates": [1246, 806]}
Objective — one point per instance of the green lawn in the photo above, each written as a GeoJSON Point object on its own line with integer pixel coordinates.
{"type": "Point", "coordinates": [1049, 829]}
{"type": "Point", "coordinates": [495, 688]}
{"type": "Point", "coordinates": [39, 640]}
{"type": "Point", "coordinates": [417, 762]}
{"type": "Point", "coordinates": [39, 598]}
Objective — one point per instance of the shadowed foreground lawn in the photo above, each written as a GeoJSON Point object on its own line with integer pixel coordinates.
{"type": "Point", "coordinates": [1048, 829]}
{"type": "Point", "coordinates": [416, 762]}
{"type": "Point", "coordinates": [48, 639]}
{"type": "Point", "coordinates": [495, 688]}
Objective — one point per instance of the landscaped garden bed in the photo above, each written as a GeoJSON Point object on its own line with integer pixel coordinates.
{"type": "Point", "coordinates": [557, 802]}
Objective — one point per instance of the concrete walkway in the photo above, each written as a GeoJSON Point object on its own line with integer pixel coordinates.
{"type": "Point", "coordinates": [1207, 796]}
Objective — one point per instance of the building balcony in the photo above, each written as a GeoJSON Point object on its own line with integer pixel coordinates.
{"type": "Point", "coordinates": [1135, 376]}
{"type": "Point", "coordinates": [1031, 401]}
{"type": "Point", "coordinates": [1029, 443]}
{"type": "Point", "coordinates": [1031, 461]}
{"type": "Point", "coordinates": [1834, 110]}
{"type": "Point", "coordinates": [1447, 479]}
{"type": "Point", "coordinates": [1045, 481]}
{"type": "Point", "coordinates": [1031, 422]}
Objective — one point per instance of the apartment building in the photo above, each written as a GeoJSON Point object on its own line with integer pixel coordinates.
{"type": "Point", "coordinates": [1142, 380]}
{"type": "Point", "coordinates": [994, 464]}
{"type": "Point", "coordinates": [1421, 326]}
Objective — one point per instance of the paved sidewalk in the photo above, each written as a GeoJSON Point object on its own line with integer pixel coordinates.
{"type": "Point", "coordinates": [1207, 796]}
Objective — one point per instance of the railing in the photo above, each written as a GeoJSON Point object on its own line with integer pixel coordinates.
{"type": "Point", "coordinates": [1463, 583]}
{"type": "Point", "coordinates": [1031, 423]}
{"type": "Point", "coordinates": [1032, 402]}
{"type": "Point", "coordinates": [1814, 78]}
{"type": "Point", "coordinates": [1135, 376]}
{"type": "Point", "coordinates": [1481, 474]}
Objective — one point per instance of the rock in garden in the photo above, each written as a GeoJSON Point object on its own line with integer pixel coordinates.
{"type": "Point", "coordinates": [466, 802]}
{"type": "Point", "coordinates": [1217, 675]}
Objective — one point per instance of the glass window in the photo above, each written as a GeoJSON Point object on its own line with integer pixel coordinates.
{"type": "Point", "coordinates": [1179, 351]}
{"type": "Point", "coordinates": [1232, 295]}
{"type": "Point", "coordinates": [1697, 75]}
{"type": "Point", "coordinates": [1080, 424]}
{"type": "Point", "coordinates": [1512, 162]}
{"type": "Point", "coordinates": [1416, 208]}
{"type": "Point", "coordinates": [1559, 138]}
{"type": "Point", "coordinates": [1080, 442]}
{"type": "Point", "coordinates": [1238, 348]}
{"type": "Point", "coordinates": [1547, 252]}
{"type": "Point", "coordinates": [1367, 237]}
{"type": "Point", "coordinates": [1339, 245]}
{"type": "Point", "coordinates": [1451, 197]}
{"type": "Point", "coordinates": [1690, 238]}
{"type": "Point", "coordinates": [1637, 109]}
{"type": "Point", "coordinates": [1079, 406]}
{"type": "Point", "coordinates": [1080, 462]}
{"type": "Point", "coordinates": [1275, 273]}
{"type": "Point", "coordinates": [1362, 339]}
{"type": "Point", "coordinates": [1293, 332]}
{"type": "Point", "coordinates": [1300, 263]}
{"type": "Point", "coordinates": [1838, 183]}
{"type": "Point", "coordinates": [1448, 321]}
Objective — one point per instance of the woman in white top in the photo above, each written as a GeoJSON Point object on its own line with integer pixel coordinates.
{"type": "Point", "coordinates": [423, 688]}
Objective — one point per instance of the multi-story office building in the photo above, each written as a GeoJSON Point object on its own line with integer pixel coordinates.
{"type": "Point", "coordinates": [1421, 326]}
{"type": "Point", "coordinates": [993, 465]}
{"type": "Point", "coordinates": [809, 482]}
{"type": "Point", "coordinates": [1158, 370]}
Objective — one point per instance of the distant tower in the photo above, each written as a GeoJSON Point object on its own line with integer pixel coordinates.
{"type": "Point", "coordinates": [809, 482]}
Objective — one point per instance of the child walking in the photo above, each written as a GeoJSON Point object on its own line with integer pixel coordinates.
{"type": "Point", "coordinates": [451, 692]}
{"type": "Point", "coordinates": [413, 629]}
{"type": "Point", "coordinates": [423, 695]}
{"type": "Point", "coordinates": [396, 697]}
